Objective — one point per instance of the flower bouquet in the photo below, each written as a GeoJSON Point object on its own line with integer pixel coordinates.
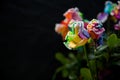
{"type": "Point", "coordinates": [94, 44]}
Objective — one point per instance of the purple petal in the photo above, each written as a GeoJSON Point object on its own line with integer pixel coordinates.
{"type": "Point", "coordinates": [118, 16]}
{"type": "Point", "coordinates": [82, 36]}
{"type": "Point", "coordinates": [102, 17]}
{"type": "Point", "coordinates": [85, 32]}
{"type": "Point", "coordinates": [98, 31]}
{"type": "Point", "coordinates": [117, 27]}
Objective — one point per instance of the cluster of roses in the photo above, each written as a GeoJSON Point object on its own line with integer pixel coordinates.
{"type": "Point", "coordinates": [113, 10]}
{"type": "Point", "coordinates": [76, 31]}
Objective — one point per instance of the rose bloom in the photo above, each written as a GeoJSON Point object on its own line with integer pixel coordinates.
{"type": "Point", "coordinates": [95, 29]}
{"type": "Point", "coordinates": [77, 36]}
{"type": "Point", "coordinates": [62, 28]}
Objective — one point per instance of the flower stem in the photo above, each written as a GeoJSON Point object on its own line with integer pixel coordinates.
{"type": "Point", "coordinates": [86, 56]}
{"type": "Point", "coordinates": [96, 71]}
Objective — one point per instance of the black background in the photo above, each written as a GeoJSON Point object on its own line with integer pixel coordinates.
{"type": "Point", "coordinates": [28, 39]}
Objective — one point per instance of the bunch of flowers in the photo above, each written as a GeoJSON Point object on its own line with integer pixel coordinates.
{"type": "Point", "coordinates": [111, 10]}
{"type": "Point", "coordinates": [97, 46]}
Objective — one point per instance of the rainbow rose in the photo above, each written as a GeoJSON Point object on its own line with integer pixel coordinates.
{"type": "Point", "coordinates": [62, 28]}
{"type": "Point", "coordinates": [77, 36]}
{"type": "Point", "coordinates": [117, 26]}
{"type": "Point", "coordinates": [116, 11]}
{"type": "Point", "coordinates": [95, 29]}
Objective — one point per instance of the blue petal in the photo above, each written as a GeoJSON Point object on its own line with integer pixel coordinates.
{"type": "Point", "coordinates": [85, 32]}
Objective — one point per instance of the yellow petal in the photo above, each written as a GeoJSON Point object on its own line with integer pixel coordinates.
{"type": "Point", "coordinates": [72, 44]}
{"type": "Point", "coordinates": [76, 39]}
{"type": "Point", "coordinates": [76, 29]}
{"type": "Point", "coordinates": [82, 42]}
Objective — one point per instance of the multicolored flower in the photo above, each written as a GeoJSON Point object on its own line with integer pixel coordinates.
{"type": "Point", "coordinates": [103, 16]}
{"type": "Point", "coordinates": [117, 26]}
{"type": "Point", "coordinates": [108, 7]}
{"type": "Point", "coordinates": [116, 11]}
{"type": "Point", "coordinates": [95, 29]}
{"type": "Point", "coordinates": [62, 28]}
{"type": "Point", "coordinates": [77, 36]}
{"type": "Point", "coordinates": [73, 13]}
{"type": "Point", "coordinates": [108, 10]}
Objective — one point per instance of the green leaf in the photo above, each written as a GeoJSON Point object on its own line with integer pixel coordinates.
{"type": "Point", "coordinates": [81, 14]}
{"type": "Point", "coordinates": [72, 56]}
{"type": "Point", "coordinates": [115, 55]}
{"type": "Point", "coordinates": [60, 69]}
{"type": "Point", "coordinates": [57, 71]}
{"type": "Point", "coordinates": [90, 40]}
{"type": "Point", "coordinates": [101, 48]}
{"type": "Point", "coordinates": [70, 65]}
{"type": "Point", "coordinates": [117, 63]}
{"type": "Point", "coordinates": [93, 66]}
{"type": "Point", "coordinates": [106, 56]}
{"type": "Point", "coordinates": [85, 73]}
{"type": "Point", "coordinates": [72, 76]}
{"type": "Point", "coordinates": [92, 56]}
{"type": "Point", "coordinates": [112, 41]}
{"type": "Point", "coordinates": [65, 73]}
{"type": "Point", "coordinates": [60, 57]}
{"type": "Point", "coordinates": [118, 42]}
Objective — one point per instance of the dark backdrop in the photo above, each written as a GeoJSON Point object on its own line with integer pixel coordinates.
{"type": "Point", "coordinates": [28, 40]}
